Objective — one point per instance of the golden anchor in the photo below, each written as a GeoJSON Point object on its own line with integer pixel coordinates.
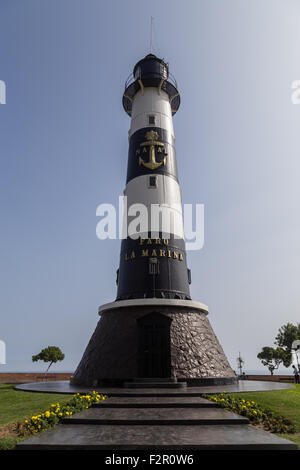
{"type": "Point", "coordinates": [152, 141]}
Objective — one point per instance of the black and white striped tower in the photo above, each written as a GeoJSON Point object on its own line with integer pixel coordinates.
{"type": "Point", "coordinates": [154, 264]}
{"type": "Point", "coordinates": [153, 329]}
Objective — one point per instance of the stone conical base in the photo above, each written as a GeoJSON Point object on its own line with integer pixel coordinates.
{"type": "Point", "coordinates": [112, 355]}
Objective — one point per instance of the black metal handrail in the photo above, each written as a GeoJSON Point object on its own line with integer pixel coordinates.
{"type": "Point", "coordinates": [171, 79]}
{"type": "Point", "coordinates": [131, 79]}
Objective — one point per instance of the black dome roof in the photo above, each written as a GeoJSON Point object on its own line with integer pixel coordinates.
{"type": "Point", "coordinates": [151, 60]}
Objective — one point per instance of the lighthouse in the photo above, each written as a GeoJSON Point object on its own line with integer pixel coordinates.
{"type": "Point", "coordinates": [153, 331]}
{"type": "Point", "coordinates": [153, 263]}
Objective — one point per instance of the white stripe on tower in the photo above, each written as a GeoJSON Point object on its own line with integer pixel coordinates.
{"type": "Point", "coordinates": [151, 102]}
{"type": "Point", "coordinates": [151, 108]}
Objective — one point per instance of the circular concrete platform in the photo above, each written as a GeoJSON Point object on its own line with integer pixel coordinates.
{"type": "Point", "coordinates": [64, 386]}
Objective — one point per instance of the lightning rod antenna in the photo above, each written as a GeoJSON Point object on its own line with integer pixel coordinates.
{"type": "Point", "coordinates": [151, 27]}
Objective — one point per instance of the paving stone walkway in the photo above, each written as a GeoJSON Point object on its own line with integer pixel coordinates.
{"type": "Point", "coordinates": [147, 421]}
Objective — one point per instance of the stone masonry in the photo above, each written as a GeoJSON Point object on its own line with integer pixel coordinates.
{"type": "Point", "coordinates": [112, 353]}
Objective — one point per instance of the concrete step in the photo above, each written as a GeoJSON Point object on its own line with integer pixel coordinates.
{"type": "Point", "coordinates": [156, 402]}
{"type": "Point", "coordinates": [157, 416]}
{"type": "Point", "coordinates": [163, 437]}
{"type": "Point", "coordinates": [154, 392]}
{"type": "Point", "coordinates": [152, 379]}
{"type": "Point", "coordinates": [149, 384]}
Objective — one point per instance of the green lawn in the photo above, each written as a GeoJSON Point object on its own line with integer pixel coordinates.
{"type": "Point", "coordinates": [283, 402]}
{"type": "Point", "coordinates": [17, 406]}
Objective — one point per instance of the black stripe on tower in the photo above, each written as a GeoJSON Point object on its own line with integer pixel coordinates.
{"type": "Point", "coordinates": [151, 150]}
{"type": "Point", "coordinates": [153, 268]}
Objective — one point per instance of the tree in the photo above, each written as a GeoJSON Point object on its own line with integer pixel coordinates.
{"type": "Point", "coordinates": [272, 357]}
{"type": "Point", "coordinates": [50, 354]}
{"type": "Point", "coordinates": [284, 339]}
{"type": "Point", "coordinates": [240, 361]}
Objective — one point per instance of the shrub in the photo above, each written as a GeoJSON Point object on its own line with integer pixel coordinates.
{"type": "Point", "coordinates": [256, 415]}
{"type": "Point", "coordinates": [57, 412]}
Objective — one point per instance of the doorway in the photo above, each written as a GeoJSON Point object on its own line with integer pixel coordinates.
{"type": "Point", "coordinates": [154, 349]}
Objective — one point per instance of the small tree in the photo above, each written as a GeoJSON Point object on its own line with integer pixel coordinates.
{"type": "Point", "coordinates": [240, 361]}
{"type": "Point", "coordinates": [271, 357]}
{"type": "Point", "coordinates": [284, 339]}
{"type": "Point", "coordinates": [50, 354]}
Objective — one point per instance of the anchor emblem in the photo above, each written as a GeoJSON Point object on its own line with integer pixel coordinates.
{"type": "Point", "coordinates": [152, 142]}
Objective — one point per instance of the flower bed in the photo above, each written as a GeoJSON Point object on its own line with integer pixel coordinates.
{"type": "Point", "coordinates": [256, 415]}
{"type": "Point", "coordinates": [57, 412]}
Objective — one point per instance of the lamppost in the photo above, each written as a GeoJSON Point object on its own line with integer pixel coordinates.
{"type": "Point", "coordinates": [295, 348]}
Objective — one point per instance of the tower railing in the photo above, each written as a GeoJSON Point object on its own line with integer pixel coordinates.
{"type": "Point", "coordinates": [131, 79]}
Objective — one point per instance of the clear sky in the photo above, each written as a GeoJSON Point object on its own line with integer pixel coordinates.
{"type": "Point", "coordinates": [63, 151]}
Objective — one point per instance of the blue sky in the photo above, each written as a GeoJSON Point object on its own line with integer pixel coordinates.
{"type": "Point", "coordinates": [64, 151]}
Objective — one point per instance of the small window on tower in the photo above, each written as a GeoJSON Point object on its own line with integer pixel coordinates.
{"type": "Point", "coordinates": [151, 120]}
{"type": "Point", "coordinates": [152, 182]}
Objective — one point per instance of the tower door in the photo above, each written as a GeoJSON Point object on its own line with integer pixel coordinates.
{"type": "Point", "coordinates": [154, 358]}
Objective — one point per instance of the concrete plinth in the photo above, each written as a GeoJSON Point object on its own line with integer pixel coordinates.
{"type": "Point", "coordinates": [240, 386]}
{"type": "Point", "coordinates": [112, 355]}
